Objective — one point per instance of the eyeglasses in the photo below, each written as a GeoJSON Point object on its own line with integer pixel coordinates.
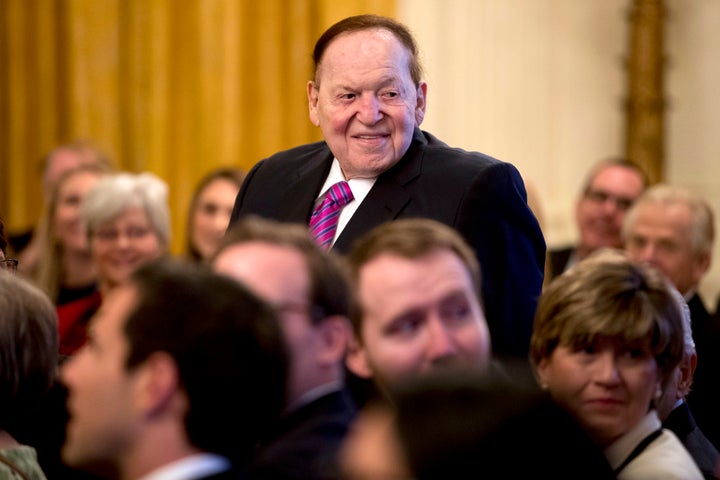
{"type": "Point", "coordinates": [9, 264]}
{"type": "Point", "coordinates": [109, 235]}
{"type": "Point", "coordinates": [601, 196]}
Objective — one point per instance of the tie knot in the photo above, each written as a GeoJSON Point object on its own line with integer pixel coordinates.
{"type": "Point", "coordinates": [340, 193]}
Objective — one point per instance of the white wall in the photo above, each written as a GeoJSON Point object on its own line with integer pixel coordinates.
{"type": "Point", "coordinates": [540, 84]}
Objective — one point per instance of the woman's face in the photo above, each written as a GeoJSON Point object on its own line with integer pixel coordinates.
{"type": "Point", "coordinates": [211, 216]}
{"type": "Point", "coordinates": [69, 231]}
{"type": "Point", "coordinates": [607, 385]}
{"type": "Point", "coordinates": [122, 244]}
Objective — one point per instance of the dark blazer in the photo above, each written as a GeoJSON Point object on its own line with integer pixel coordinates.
{"type": "Point", "coordinates": [481, 197]}
{"type": "Point", "coordinates": [704, 397]}
{"type": "Point", "coordinates": [682, 424]}
{"type": "Point", "coordinates": [304, 443]}
{"type": "Point", "coordinates": [558, 260]}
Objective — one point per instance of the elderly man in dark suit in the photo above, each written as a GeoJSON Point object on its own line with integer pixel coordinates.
{"type": "Point", "coordinates": [673, 229]}
{"type": "Point", "coordinates": [673, 408]}
{"type": "Point", "coordinates": [368, 99]}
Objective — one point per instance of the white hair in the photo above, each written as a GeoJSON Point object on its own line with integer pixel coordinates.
{"type": "Point", "coordinates": [116, 193]}
{"type": "Point", "coordinates": [688, 342]}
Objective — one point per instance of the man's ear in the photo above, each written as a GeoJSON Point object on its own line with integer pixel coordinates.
{"type": "Point", "coordinates": [687, 371]}
{"type": "Point", "coordinates": [421, 99]}
{"type": "Point", "coordinates": [356, 359]}
{"type": "Point", "coordinates": [312, 94]}
{"type": "Point", "coordinates": [335, 337]}
{"type": "Point", "coordinates": [157, 382]}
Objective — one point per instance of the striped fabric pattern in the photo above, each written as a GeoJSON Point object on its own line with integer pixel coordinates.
{"type": "Point", "coordinates": [324, 219]}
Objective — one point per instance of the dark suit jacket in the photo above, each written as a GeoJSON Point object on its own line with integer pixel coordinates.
{"type": "Point", "coordinates": [682, 424]}
{"type": "Point", "coordinates": [558, 259]}
{"type": "Point", "coordinates": [483, 198]}
{"type": "Point", "coordinates": [304, 443]}
{"type": "Point", "coordinates": [704, 397]}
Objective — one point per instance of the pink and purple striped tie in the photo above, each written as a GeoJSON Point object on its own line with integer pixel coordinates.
{"type": "Point", "coordinates": [324, 219]}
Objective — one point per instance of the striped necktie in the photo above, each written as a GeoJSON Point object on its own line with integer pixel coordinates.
{"type": "Point", "coordinates": [324, 219]}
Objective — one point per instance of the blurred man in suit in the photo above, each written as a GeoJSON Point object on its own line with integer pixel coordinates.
{"type": "Point", "coordinates": [182, 371]}
{"type": "Point", "coordinates": [368, 99]}
{"type": "Point", "coordinates": [283, 265]}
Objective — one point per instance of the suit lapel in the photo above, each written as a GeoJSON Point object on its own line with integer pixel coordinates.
{"type": "Point", "coordinates": [303, 187]}
{"type": "Point", "coordinates": [388, 196]}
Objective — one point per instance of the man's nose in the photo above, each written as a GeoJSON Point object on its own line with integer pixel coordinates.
{"type": "Point", "coordinates": [369, 113]}
{"type": "Point", "coordinates": [441, 343]}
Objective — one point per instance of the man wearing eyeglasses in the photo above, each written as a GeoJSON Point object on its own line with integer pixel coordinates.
{"type": "Point", "coordinates": [283, 265]}
{"type": "Point", "coordinates": [608, 193]}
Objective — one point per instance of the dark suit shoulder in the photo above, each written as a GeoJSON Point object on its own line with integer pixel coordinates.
{"type": "Point", "coordinates": [305, 443]}
{"type": "Point", "coordinates": [682, 423]}
{"type": "Point", "coordinates": [558, 258]}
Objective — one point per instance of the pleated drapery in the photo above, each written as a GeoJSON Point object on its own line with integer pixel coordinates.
{"type": "Point", "coordinates": [176, 87]}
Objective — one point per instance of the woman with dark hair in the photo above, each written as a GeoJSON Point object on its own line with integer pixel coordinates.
{"type": "Point", "coordinates": [209, 213]}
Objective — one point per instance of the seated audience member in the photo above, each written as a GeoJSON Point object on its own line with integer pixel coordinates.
{"type": "Point", "coordinates": [465, 425]}
{"type": "Point", "coordinates": [61, 159]}
{"type": "Point", "coordinates": [608, 192]}
{"type": "Point", "coordinates": [28, 358]}
{"type": "Point", "coordinates": [209, 213]}
{"type": "Point", "coordinates": [608, 335]}
{"type": "Point", "coordinates": [65, 269]}
{"type": "Point", "coordinates": [418, 289]}
{"type": "Point", "coordinates": [283, 265]}
{"type": "Point", "coordinates": [182, 371]}
{"type": "Point", "coordinates": [673, 409]}
{"type": "Point", "coordinates": [128, 224]}
{"type": "Point", "coordinates": [673, 229]}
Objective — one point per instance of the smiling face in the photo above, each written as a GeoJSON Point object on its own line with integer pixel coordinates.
{"type": "Point", "coordinates": [365, 101]}
{"type": "Point", "coordinates": [419, 315]}
{"type": "Point", "coordinates": [121, 245]}
{"type": "Point", "coordinates": [211, 215]}
{"type": "Point", "coordinates": [69, 231]}
{"type": "Point", "coordinates": [607, 385]}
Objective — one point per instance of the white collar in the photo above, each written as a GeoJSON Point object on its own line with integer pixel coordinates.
{"type": "Point", "coordinates": [190, 467]}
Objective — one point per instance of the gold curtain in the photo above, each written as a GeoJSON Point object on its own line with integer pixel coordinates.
{"type": "Point", "coordinates": [176, 87]}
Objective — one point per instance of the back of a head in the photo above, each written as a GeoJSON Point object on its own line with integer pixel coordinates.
{"type": "Point", "coordinates": [329, 283]}
{"type": "Point", "coordinates": [451, 425]}
{"type": "Point", "coordinates": [28, 345]}
{"type": "Point", "coordinates": [227, 346]}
